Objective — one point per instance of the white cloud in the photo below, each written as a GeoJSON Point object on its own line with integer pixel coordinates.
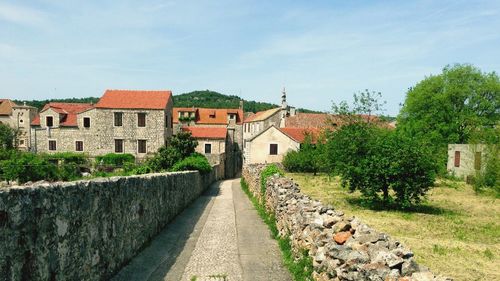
{"type": "Point", "coordinates": [21, 15]}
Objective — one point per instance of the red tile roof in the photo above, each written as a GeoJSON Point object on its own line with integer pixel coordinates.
{"type": "Point", "coordinates": [69, 112]}
{"type": "Point", "coordinates": [212, 116]}
{"type": "Point", "coordinates": [299, 134]}
{"type": "Point", "coordinates": [308, 120]}
{"type": "Point", "coordinates": [6, 106]}
{"type": "Point", "coordinates": [131, 99]}
{"type": "Point", "coordinates": [206, 132]}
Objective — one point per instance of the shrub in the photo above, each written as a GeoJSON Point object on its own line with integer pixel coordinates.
{"type": "Point", "coordinates": [196, 162]}
{"type": "Point", "coordinates": [69, 157]}
{"type": "Point", "coordinates": [28, 167]}
{"type": "Point", "coordinates": [180, 146]}
{"type": "Point", "coordinates": [490, 176]}
{"type": "Point", "coordinates": [115, 159]}
{"type": "Point", "coordinates": [268, 171]}
{"type": "Point", "coordinates": [7, 137]}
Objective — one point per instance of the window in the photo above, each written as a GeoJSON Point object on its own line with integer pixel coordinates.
{"type": "Point", "coordinates": [141, 146]}
{"type": "Point", "coordinates": [477, 161]}
{"type": "Point", "coordinates": [457, 158]}
{"type": "Point", "coordinates": [79, 146]}
{"type": "Point", "coordinates": [52, 145]}
{"type": "Point", "coordinates": [118, 146]}
{"type": "Point", "coordinates": [118, 119]}
{"type": "Point", "coordinates": [49, 121]}
{"type": "Point", "coordinates": [86, 122]}
{"type": "Point", "coordinates": [21, 121]}
{"type": "Point", "coordinates": [166, 120]}
{"type": "Point", "coordinates": [208, 148]}
{"type": "Point", "coordinates": [232, 116]}
{"type": "Point", "coordinates": [21, 142]}
{"type": "Point", "coordinates": [273, 149]}
{"type": "Point", "coordinates": [141, 119]}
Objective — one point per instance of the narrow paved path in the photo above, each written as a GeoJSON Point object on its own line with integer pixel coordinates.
{"type": "Point", "coordinates": [219, 237]}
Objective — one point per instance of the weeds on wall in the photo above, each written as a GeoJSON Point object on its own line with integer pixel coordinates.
{"type": "Point", "coordinates": [266, 173]}
{"type": "Point", "coordinates": [301, 268]}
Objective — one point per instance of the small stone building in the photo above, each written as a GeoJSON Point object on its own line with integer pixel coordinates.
{"type": "Point", "coordinates": [212, 142]}
{"type": "Point", "coordinates": [466, 159]}
{"type": "Point", "coordinates": [123, 121]}
{"type": "Point", "coordinates": [18, 117]}
{"type": "Point", "coordinates": [272, 144]}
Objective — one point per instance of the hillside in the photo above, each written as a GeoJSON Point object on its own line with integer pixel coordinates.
{"type": "Point", "coordinates": [204, 99]}
{"type": "Point", "coordinates": [211, 99]}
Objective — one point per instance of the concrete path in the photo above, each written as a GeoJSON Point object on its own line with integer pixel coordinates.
{"type": "Point", "coordinates": [219, 237]}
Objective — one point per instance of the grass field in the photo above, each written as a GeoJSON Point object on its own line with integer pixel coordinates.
{"type": "Point", "coordinates": [456, 232]}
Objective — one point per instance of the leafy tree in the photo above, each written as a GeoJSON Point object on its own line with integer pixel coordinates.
{"type": "Point", "coordinates": [7, 137]}
{"type": "Point", "coordinates": [28, 167]}
{"type": "Point", "coordinates": [40, 103]}
{"type": "Point", "coordinates": [180, 146]}
{"type": "Point", "coordinates": [384, 165]}
{"type": "Point", "coordinates": [460, 105]}
{"type": "Point", "coordinates": [196, 162]}
{"type": "Point", "coordinates": [365, 107]}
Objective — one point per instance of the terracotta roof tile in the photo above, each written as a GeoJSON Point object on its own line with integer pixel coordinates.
{"type": "Point", "coordinates": [6, 106]}
{"type": "Point", "coordinates": [212, 116]}
{"type": "Point", "coordinates": [299, 134]}
{"type": "Point", "coordinates": [69, 112]}
{"type": "Point", "coordinates": [132, 99]}
{"type": "Point", "coordinates": [206, 132]}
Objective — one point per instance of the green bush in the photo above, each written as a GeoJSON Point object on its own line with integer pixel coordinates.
{"type": "Point", "coordinates": [28, 167]}
{"type": "Point", "coordinates": [115, 159]}
{"type": "Point", "coordinates": [69, 157]}
{"type": "Point", "coordinates": [490, 177]}
{"type": "Point", "coordinates": [194, 162]}
{"type": "Point", "coordinates": [268, 171]}
{"type": "Point", "coordinates": [180, 146]}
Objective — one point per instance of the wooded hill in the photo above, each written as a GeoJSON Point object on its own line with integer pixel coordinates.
{"type": "Point", "coordinates": [203, 99]}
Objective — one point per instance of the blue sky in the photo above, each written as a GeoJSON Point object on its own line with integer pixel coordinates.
{"type": "Point", "coordinates": [321, 51]}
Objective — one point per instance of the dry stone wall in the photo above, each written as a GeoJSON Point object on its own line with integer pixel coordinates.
{"type": "Point", "coordinates": [341, 248]}
{"type": "Point", "coordinates": [87, 230]}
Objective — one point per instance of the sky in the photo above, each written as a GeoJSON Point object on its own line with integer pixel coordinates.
{"type": "Point", "coordinates": [321, 51]}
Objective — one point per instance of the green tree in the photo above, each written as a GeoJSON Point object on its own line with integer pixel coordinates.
{"type": "Point", "coordinates": [7, 137]}
{"type": "Point", "coordinates": [181, 146]}
{"type": "Point", "coordinates": [460, 105]}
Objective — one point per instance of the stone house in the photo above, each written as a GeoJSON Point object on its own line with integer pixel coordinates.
{"type": "Point", "coordinates": [18, 117]}
{"type": "Point", "coordinates": [466, 160]}
{"type": "Point", "coordinates": [212, 142]}
{"type": "Point", "coordinates": [272, 144]}
{"type": "Point", "coordinates": [123, 121]}
{"type": "Point", "coordinates": [214, 127]}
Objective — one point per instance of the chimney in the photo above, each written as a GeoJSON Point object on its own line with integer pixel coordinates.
{"type": "Point", "coordinates": [241, 104]}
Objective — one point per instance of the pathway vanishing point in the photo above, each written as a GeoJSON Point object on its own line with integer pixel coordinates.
{"type": "Point", "coordinates": [220, 237]}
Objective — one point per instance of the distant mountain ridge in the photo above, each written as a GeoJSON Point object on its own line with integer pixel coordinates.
{"type": "Point", "coordinates": [203, 99]}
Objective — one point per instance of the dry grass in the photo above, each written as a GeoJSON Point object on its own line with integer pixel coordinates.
{"type": "Point", "coordinates": [456, 232]}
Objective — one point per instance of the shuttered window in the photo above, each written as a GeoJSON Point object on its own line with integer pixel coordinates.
{"type": "Point", "coordinates": [79, 145]}
{"type": "Point", "coordinates": [141, 146]}
{"type": "Point", "coordinates": [52, 145]}
{"type": "Point", "coordinates": [118, 146]}
{"type": "Point", "coordinates": [141, 119]}
{"type": "Point", "coordinates": [273, 149]}
{"type": "Point", "coordinates": [477, 161]}
{"type": "Point", "coordinates": [118, 116]}
{"type": "Point", "coordinates": [457, 158]}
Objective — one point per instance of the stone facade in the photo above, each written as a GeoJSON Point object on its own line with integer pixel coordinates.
{"type": "Point", "coordinates": [19, 118]}
{"type": "Point", "coordinates": [258, 148]}
{"type": "Point", "coordinates": [87, 230]}
{"type": "Point", "coordinates": [99, 137]}
{"type": "Point", "coordinates": [341, 248]}
{"type": "Point", "coordinates": [467, 159]}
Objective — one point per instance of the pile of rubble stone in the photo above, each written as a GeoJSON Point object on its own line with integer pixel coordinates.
{"type": "Point", "coordinates": [341, 248]}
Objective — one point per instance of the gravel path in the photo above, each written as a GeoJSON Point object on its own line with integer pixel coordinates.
{"type": "Point", "coordinates": [219, 237]}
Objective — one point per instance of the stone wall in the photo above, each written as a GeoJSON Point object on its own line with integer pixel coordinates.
{"type": "Point", "coordinates": [342, 248]}
{"type": "Point", "coordinates": [87, 230]}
